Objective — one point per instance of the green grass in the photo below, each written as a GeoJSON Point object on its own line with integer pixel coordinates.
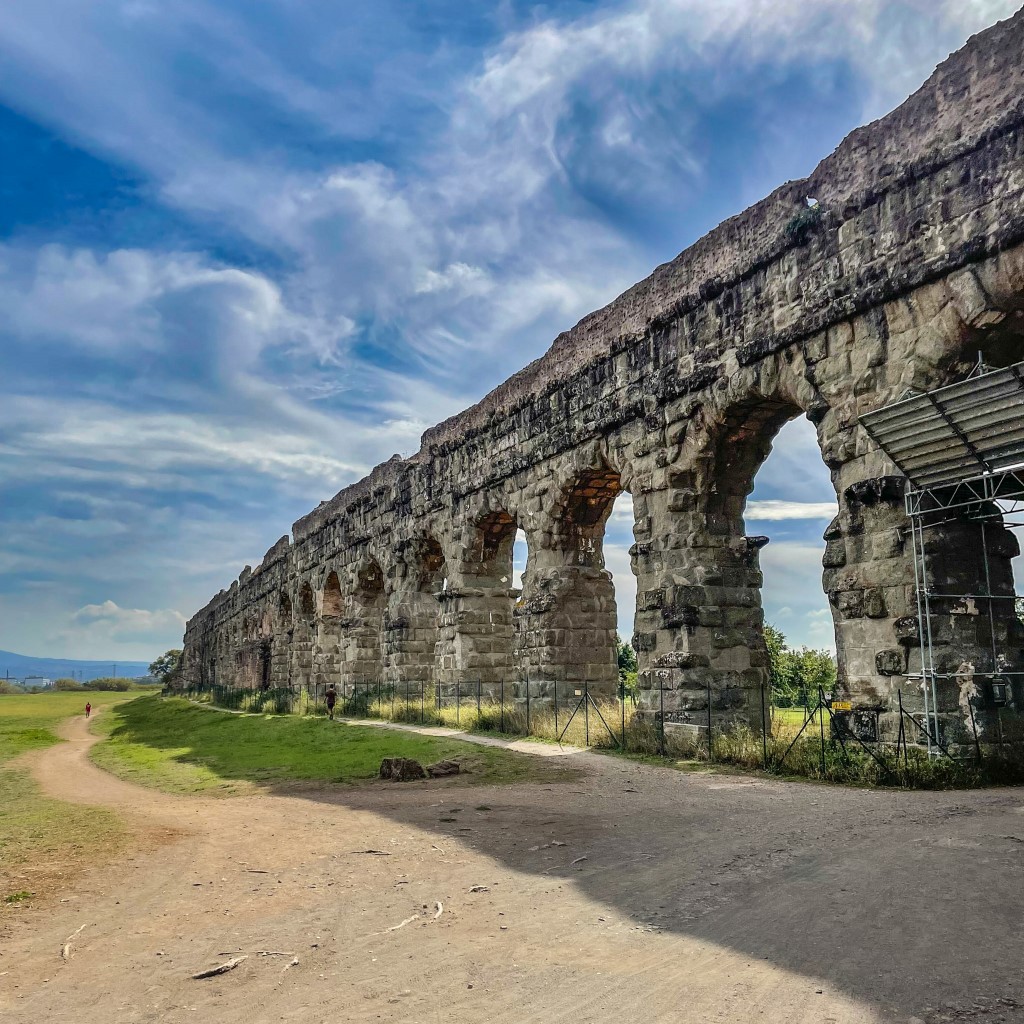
{"type": "Point", "coordinates": [27, 720]}
{"type": "Point", "coordinates": [170, 744]}
{"type": "Point", "coordinates": [43, 840]}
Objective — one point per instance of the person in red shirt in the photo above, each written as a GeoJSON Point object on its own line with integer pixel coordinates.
{"type": "Point", "coordinates": [88, 709]}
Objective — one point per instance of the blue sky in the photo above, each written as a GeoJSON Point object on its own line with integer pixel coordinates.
{"type": "Point", "coordinates": [247, 251]}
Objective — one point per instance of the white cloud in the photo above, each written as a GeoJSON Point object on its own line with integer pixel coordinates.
{"type": "Point", "coordinates": [126, 620]}
{"type": "Point", "coordinates": [97, 629]}
{"type": "Point", "coordinates": [133, 299]}
{"type": "Point", "coordinates": [775, 510]}
{"type": "Point", "coordinates": [459, 263]}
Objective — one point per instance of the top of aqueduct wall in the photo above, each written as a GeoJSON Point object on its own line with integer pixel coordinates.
{"type": "Point", "coordinates": [974, 96]}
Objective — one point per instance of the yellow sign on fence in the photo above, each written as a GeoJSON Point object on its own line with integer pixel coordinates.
{"type": "Point", "coordinates": [841, 705]}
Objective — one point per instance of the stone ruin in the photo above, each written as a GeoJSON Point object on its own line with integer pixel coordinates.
{"type": "Point", "coordinates": [910, 265]}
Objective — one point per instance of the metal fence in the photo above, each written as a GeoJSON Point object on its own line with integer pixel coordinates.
{"type": "Point", "coordinates": [819, 739]}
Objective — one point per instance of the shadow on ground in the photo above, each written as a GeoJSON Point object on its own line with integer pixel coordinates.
{"type": "Point", "coordinates": [906, 901]}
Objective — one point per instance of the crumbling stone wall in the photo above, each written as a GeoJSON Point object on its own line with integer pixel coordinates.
{"type": "Point", "coordinates": [911, 264]}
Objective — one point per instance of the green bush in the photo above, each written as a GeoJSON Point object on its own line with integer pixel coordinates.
{"type": "Point", "coordinates": [801, 226]}
{"type": "Point", "coordinates": [109, 684]}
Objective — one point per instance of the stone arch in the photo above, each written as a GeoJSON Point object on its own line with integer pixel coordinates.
{"type": "Point", "coordinates": [363, 624]}
{"type": "Point", "coordinates": [567, 621]}
{"type": "Point", "coordinates": [936, 333]}
{"type": "Point", "coordinates": [302, 646]}
{"type": "Point", "coordinates": [327, 650]}
{"type": "Point", "coordinates": [476, 636]}
{"type": "Point", "coordinates": [493, 535]}
{"type": "Point", "coordinates": [418, 623]}
{"type": "Point", "coordinates": [699, 633]}
{"type": "Point", "coordinates": [332, 601]}
{"type": "Point", "coordinates": [739, 445]}
{"type": "Point", "coordinates": [582, 513]}
{"type": "Point", "coordinates": [430, 565]}
{"type": "Point", "coordinates": [307, 602]}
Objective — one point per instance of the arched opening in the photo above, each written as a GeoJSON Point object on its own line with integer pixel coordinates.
{"type": "Point", "coordinates": [792, 504]}
{"type": "Point", "coordinates": [436, 638]}
{"type": "Point", "coordinates": [307, 602]}
{"type": "Point", "coordinates": [327, 653]}
{"type": "Point", "coordinates": [585, 509]}
{"type": "Point", "coordinates": [484, 640]}
{"type": "Point", "coordinates": [285, 608]}
{"type": "Point", "coordinates": [520, 556]}
{"type": "Point", "coordinates": [419, 627]}
{"type": "Point", "coordinates": [332, 596]}
{"type": "Point", "coordinates": [765, 443]}
{"type": "Point", "coordinates": [568, 619]}
{"type": "Point", "coordinates": [361, 641]}
{"type": "Point", "coordinates": [432, 572]}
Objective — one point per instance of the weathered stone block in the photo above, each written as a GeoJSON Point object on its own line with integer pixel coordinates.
{"type": "Point", "coordinates": [891, 662]}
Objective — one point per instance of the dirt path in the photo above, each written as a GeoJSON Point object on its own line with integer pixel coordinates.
{"type": "Point", "coordinates": [674, 898]}
{"type": "Point", "coordinates": [65, 772]}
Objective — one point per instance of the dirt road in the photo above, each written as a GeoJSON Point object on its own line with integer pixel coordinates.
{"type": "Point", "coordinates": [675, 898]}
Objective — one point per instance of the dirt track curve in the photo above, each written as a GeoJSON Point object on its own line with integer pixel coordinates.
{"type": "Point", "coordinates": [676, 898]}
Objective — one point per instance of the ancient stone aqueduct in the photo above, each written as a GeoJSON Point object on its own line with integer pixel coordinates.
{"type": "Point", "coordinates": [912, 264]}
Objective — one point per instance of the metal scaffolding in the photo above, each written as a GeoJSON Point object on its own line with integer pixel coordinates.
{"type": "Point", "coordinates": [961, 448]}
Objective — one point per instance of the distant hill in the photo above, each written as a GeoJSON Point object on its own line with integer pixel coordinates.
{"type": "Point", "coordinates": [17, 666]}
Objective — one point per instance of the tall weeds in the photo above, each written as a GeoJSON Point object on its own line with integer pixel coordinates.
{"type": "Point", "coordinates": [789, 750]}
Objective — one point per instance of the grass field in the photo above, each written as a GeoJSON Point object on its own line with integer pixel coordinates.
{"type": "Point", "coordinates": [43, 840]}
{"type": "Point", "coordinates": [178, 747]}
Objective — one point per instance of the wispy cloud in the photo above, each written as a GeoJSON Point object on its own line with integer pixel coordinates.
{"type": "Point", "coordinates": [386, 214]}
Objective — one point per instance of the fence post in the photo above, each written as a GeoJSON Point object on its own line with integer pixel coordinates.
{"type": "Point", "coordinates": [622, 706]}
{"type": "Point", "coordinates": [711, 742]}
{"type": "Point", "coordinates": [502, 703]}
{"type": "Point", "coordinates": [661, 715]}
{"type": "Point", "coordinates": [901, 738]}
{"type": "Point", "coordinates": [556, 707]}
{"type": "Point", "coordinates": [458, 700]}
{"type": "Point", "coordinates": [821, 727]}
{"type": "Point", "coordinates": [586, 712]}
{"type": "Point", "coordinates": [478, 701]}
{"type": "Point", "coordinates": [764, 729]}
{"type": "Point", "coordinates": [527, 705]}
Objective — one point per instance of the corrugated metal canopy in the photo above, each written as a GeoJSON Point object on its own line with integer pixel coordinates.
{"type": "Point", "coordinates": [957, 432]}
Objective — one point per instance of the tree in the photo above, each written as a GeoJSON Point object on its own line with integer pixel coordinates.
{"type": "Point", "coordinates": [7, 687]}
{"type": "Point", "coordinates": [112, 683]}
{"type": "Point", "coordinates": [796, 675]}
{"type": "Point", "coordinates": [780, 669]}
{"type": "Point", "coordinates": [167, 668]}
{"type": "Point", "coordinates": [626, 657]}
{"type": "Point", "coordinates": [67, 684]}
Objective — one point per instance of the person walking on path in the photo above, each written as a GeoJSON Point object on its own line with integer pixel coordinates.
{"type": "Point", "coordinates": [88, 709]}
{"type": "Point", "coordinates": [332, 699]}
